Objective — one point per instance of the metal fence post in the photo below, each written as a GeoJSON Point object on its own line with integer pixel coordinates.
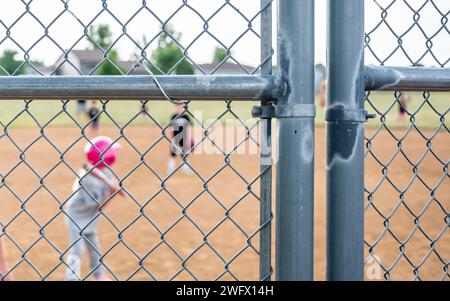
{"type": "Point", "coordinates": [345, 118]}
{"type": "Point", "coordinates": [295, 111]}
{"type": "Point", "coordinates": [266, 149]}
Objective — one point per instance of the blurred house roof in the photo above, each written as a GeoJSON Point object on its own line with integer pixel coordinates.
{"type": "Point", "coordinates": [225, 68]}
{"type": "Point", "coordinates": [86, 60]}
{"type": "Point", "coordinates": [88, 55]}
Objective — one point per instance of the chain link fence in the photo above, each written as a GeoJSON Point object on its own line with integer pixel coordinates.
{"type": "Point", "coordinates": [206, 213]}
{"type": "Point", "coordinates": [197, 219]}
{"type": "Point", "coordinates": [407, 178]}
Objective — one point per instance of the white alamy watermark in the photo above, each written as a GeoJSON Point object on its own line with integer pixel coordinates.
{"type": "Point", "coordinates": [73, 273]}
{"type": "Point", "coordinates": [373, 268]}
{"type": "Point", "coordinates": [227, 136]}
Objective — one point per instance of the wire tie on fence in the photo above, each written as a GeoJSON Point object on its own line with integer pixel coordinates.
{"type": "Point", "coordinates": [160, 87]}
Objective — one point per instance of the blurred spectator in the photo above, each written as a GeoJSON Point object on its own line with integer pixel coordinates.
{"type": "Point", "coordinates": [323, 94]}
{"type": "Point", "coordinates": [80, 108]}
{"type": "Point", "coordinates": [94, 117]}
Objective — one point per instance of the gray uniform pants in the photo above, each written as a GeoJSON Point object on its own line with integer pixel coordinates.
{"type": "Point", "coordinates": [77, 242]}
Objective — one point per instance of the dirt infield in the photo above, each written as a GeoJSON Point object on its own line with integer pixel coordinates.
{"type": "Point", "coordinates": [37, 231]}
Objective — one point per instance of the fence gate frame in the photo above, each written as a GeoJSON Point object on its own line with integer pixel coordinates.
{"type": "Point", "coordinates": [287, 96]}
{"type": "Point", "coordinates": [348, 79]}
{"type": "Point", "coordinates": [263, 88]}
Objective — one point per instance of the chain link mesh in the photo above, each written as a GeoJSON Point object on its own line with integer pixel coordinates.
{"type": "Point", "coordinates": [202, 225]}
{"type": "Point", "coordinates": [407, 178]}
{"type": "Point", "coordinates": [204, 29]}
{"type": "Point", "coordinates": [206, 225]}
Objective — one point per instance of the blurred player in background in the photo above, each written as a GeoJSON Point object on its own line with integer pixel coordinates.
{"type": "Point", "coordinates": [94, 117]}
{"type": "Point", "coordinates": [3, 265]}
{"type": "Point", "coordinates": [403, 107]}
{"type": "Point", "coordinates": [323, 94]}
{"type": "Point", "coordinates": [180, 138]}
{"type": "Point", "coordinates": [83, 207]}
{"type": "Point", "coordinates": [80, 109]}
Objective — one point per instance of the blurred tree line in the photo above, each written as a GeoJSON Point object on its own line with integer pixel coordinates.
{"type": "Point", "coordinates": [101, 38]}
{"type": "Point", "coordinates": [167, 58]}
{"type": "Point", "coordinates": [11, 65]}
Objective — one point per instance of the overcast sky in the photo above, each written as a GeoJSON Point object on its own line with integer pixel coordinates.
{"type": "Point", "coordinates": [227, 25]}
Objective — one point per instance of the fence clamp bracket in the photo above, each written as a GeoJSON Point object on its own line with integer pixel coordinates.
{"type": "Point", "coordinates": [340, 113]}
{"type": "Point", "coordinates": [284, 111]}
{"type": "Point", "coordinates": [263, 112]}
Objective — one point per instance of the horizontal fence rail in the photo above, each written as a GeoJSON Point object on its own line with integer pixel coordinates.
{"type": "Point", "coordinates": [245, 87]}
{"type": "Point", "coordinates": [411, 79]}
{"type": "Point", "coordinates": [212, 87]}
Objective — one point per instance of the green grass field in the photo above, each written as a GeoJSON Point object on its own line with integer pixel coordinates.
{"type": "Point", "coordinates": [25, 114]}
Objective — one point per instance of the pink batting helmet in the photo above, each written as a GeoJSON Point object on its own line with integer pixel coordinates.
{"type": "Point", "coordinates": [104, 151]}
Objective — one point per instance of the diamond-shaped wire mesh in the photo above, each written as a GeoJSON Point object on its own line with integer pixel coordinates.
{"type": "Point", "coordinates": [407, 178]}
{"type": "Point", "coordinates": [137, 26]}
{"type": "Point", "coordinates": [197, 221]}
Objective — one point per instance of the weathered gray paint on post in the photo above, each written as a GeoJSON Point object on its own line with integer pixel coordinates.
{"type": "Point", "coordinates": [295, 167]}
{"type": "Point", "coordinates": [265, 267]}
{"type": "Point", "coordinates": [345, 140]}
